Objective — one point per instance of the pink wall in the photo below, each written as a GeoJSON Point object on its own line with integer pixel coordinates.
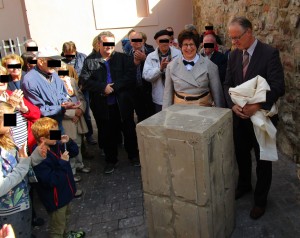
{"type": "Point", "coordinates": [56, 21]}
{"type": "Point", "coordinates": [12, 22]}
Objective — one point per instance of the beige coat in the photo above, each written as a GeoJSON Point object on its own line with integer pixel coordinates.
{"type": "Point", "coordinates": [71, 129]}
{"type": "Point", "coordinates": [204, 77]}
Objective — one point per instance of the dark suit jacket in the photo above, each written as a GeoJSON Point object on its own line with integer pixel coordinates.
{"type": "Point", "coordinates": [221, 61]}
{"type": "Point", "coordinates": [265, 62]}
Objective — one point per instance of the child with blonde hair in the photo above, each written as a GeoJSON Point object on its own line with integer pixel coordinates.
{"type": "Point", "coordinates": [15, 206]}
{"type": "Point", "coordinates": [56, 187]}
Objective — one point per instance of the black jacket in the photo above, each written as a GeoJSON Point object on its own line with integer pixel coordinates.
{"type": "Point", "coordinates": [265, 62]}
{"type": "Point", "coordinates": [93, 78]}
{"type": "Point", "coordinates": [56, 187]}
{"type": "Point", "coordinates": [220, 60]}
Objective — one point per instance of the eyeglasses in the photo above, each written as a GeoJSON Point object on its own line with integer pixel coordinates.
{"type": "Point", "coordinates": [237, 37]}
{"type": "Point", "coordinates": [188, 45]}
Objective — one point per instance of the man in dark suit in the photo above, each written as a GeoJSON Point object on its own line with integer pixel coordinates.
{"type": "Point", "coordinates": [218, 58]}
{"type": "Point", "coordinates": [251, 58]}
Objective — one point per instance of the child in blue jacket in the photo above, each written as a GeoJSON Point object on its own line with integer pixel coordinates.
{"type": "Point", "coordinates": [56, 187]}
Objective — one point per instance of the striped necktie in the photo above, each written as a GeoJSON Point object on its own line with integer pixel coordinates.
{"type": "Point", "coordinates": [245, 62]}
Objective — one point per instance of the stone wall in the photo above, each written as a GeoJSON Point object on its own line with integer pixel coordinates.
{"type": "Point", "coordinates": [275, 22]}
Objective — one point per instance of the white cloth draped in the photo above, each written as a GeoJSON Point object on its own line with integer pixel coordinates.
{"type": "Point", "coordinates": [254, 91]}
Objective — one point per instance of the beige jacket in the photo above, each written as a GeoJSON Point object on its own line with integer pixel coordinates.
{"type": "Point", "coordinates": [71, 129]}
{"type": "Point", "coordinates": [204, 77]}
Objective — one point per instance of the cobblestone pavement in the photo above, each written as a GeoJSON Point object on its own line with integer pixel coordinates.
{"type": "Point", "coordinates": [112, 205]}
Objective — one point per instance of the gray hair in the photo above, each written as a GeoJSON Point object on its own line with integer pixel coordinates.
{"type": "Point", "coordinates": [190, 27]}
{"type": "Point", "coordinates": [242, 21]}
{"type": "Point", "coordinates": [105, 33]}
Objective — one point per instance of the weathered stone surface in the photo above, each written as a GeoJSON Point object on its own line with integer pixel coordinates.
{"type": "Point", "coordinates": [284, 3]}
{"type": "Point", "coordinates": [159, 216]}
{"type": "Point", "coordinates": [194, 146]}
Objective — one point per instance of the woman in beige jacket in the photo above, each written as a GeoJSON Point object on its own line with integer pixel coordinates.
{"type": "Point", "coordinates": [73, 121]}
{"type": "Point", "coordinates": [191, 78]}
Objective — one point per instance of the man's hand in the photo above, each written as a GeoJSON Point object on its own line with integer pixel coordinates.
{"type": "Point", "coordinates": [140, 55]}
{"type": "Point", "coordinates": [71, 105]}
{"type": "Point", "coordinates": [250, 109]}
{"type": "Point", "coordinates": [163, 64]}
{"type": "Point", "coordinates": [239, 112]}
{"type": "Point", "coordinates": [109, 89]}
{"type": "Point", "coordinates": [65, 156]}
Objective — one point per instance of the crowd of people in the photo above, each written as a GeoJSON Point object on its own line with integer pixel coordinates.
{"type": "Point", "coordinates": [52, 93]}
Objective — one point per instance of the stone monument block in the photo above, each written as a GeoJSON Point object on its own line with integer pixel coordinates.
{"type": "Point", "coordinates": [187, 160]}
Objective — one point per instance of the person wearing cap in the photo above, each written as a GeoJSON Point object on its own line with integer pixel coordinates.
{"type": "Point", "coordinates": [155, 66]}
{"type": "Point", "coordinates": [109, 76]}
{"type": "Point", "coordinates": [43, 87]}
{"type": "Point", "coordinates": [192, 78]}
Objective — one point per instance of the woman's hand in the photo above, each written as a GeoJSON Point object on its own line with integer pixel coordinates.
{"type": "Point", "coordinates": [75, 119]}
{"type": "Point", "coordinates": [23, 151]}
{"type": "Point", "coordinates": [22, 107]}
{"type": "Point", "coordinates": [7, 231]}
{"type": "Point", "coordinates": [15, 98]}
{"type": "Point", "coordinates": [78, 112]}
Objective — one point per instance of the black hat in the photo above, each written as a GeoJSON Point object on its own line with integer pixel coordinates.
{"type": "Point", "coordinates": [161, 33]}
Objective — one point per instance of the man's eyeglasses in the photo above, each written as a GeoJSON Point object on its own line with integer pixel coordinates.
{"type": "Point", "coordinates": [236, 38]}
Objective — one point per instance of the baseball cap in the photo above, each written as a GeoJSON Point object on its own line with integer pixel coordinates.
{"type": "Point", "coordinates": [48, 52]}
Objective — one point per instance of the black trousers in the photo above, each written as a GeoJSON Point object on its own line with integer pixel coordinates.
{"type": "Point", "coordinates": [143, 105]}
{"type": "Point", "coordinates": [109, 133]}
{"type": "Point", "coordinates": [244, 141]}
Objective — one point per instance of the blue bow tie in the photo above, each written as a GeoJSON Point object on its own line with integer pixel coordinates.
{"type": "Point", "coordinates": [188, 62]}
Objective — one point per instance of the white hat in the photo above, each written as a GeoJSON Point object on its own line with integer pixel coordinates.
{"type": "Point", "coordinates": [48, 52]}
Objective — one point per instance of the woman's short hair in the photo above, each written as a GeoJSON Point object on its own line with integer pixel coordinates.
{"type": "Point", "coordinates": [27, 57]}
{"type": "Point", "coordinates": [188, 35]}
{"type": "Point", "coordinates": [13, 57]}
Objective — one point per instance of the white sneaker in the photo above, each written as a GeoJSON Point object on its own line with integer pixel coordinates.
{"type": "Point", "coordinates": [78, 193]}
{"type": "Point", "coordinates": [77, 178]}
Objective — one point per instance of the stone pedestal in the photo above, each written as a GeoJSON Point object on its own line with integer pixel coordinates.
{"type": "Point", "coordinates": [187, 161]}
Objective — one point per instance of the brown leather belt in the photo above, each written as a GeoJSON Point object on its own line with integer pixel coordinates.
{"type": "Point", "coordinates": [191, 98]}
